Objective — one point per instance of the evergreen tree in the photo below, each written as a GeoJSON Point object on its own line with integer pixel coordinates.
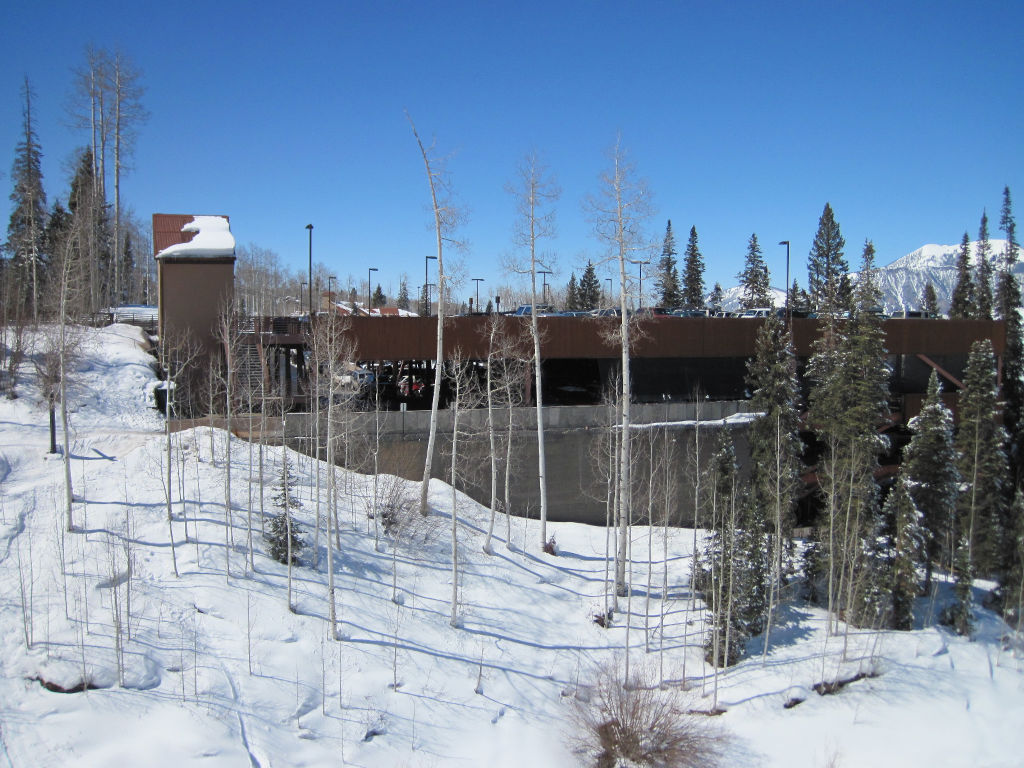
{"type": "Point", "coordinates": [1012, 588]}
{"type": "Point", "coordinates": [983, 302]}
{"type": "Point", "coordinates": [424, 301]}
{"type": "Point", "coordinates": [693, 274]}
{"type": "Point", "coordinates": [667, 280]}
{"type": "Point", "coordinates": [378, 299]}
{"type": "Point", "coordinates": [754, 278]}
{"type": "Point", "coordinates": [930, 302]}
{"type": "Point", "coordinates": [402, 302]}
{"type": "Point", "coordinates": [58, 229]}
{"type": "Point", "coordinates": [27, 226]}
{"type": "Point", "coordinates": [282, 527]}
{"type": "Point", "coordinates": [723, 497]}
{"type": "Point", "coordinates": [961, 305]}
{"type": "Point", "coordinates": [981, 460]}
{"type": "Point", "coordinates": [92, 227]}
{"type": "Point", "coordinates": [1008, 297]}
{"type": "Point", "coordinates": [929, 461]}
{"type": "Point", "coordinates": [775, 448]}
{"type": "Point", "coordinates": [848, 405]}
{"type": "Point", "coordinates": [590, 289]}
{"type": "Point", "coordinates": [127, 271]}
{"type": "Point", "coordinates": [960, 615]}
{"type": "Point", "coordinates": [717, 298]}
{"type": "Point", "coordinates": [799, 299]}
{"type": "Point", "coordinates": [1008, 301]}
{"type": "Point", "coordinates": [905, 554]}
{"type": "Point", "coordinates": [827, 268]}
{"type": "Point", "coordinates": [572, 297]}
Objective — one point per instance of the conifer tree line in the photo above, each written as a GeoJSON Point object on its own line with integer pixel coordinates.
{"type": "Point", "coordinates": [955, 507]}
{"type": "Point", "coordinates": [90, 223]}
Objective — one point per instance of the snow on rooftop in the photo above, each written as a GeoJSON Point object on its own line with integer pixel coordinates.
{"type": "Point", "coordinates": [213, 239]}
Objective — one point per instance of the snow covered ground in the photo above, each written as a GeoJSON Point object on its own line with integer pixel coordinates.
{"type": "Point", "coordinates": [219, 671]}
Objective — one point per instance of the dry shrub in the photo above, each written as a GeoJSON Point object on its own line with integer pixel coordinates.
{"type": "Point", "coordinates": [641, 724]}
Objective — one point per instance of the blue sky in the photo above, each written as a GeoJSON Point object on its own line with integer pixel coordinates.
{"type": "Point", "coordinates": [742, 117]}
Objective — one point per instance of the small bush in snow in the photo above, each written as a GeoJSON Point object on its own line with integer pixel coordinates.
{"type": "Point", "coordinates": [641, 724]}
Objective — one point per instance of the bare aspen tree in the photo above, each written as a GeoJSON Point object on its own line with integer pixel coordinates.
{"type": "Point", "coordinates": [464, 397]}
{"type": "Point", "coordinates": [328, 350]}
{"type": "Point", "coordinates": [618, 213]}
{"type": "Point", "coordinates": [177, 354]}
{"type": "Point", "coordinates": [535, 191]}
{"type": "Point", "coordinates": [125, 94]}
{"type": "Point", "coordinates": [503, 389]}
{"type": "Point", "coordinates": [227, 336]}
{"type": "Point", "coordinates": [446, 218]}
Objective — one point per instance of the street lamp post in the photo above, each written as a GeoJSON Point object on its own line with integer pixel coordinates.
{"type": "Point", "coordinates": [544, 285]}
{"type": "Point", "coordinates": [302, 290]}
{"type": "Point", "coordinates": [609, 281]}
{"type": "Point", "coordinates": [641, 299]}
{"type": "Point", "coordinates": [310, 228]}
{"type": "Point", "coordinates": [369, 272]}
{"type": "Point", "coordinates": [330, 296]}
{"type": "Point", "coordinates": [478, 280]}
{"type": "Point", "coordinates": [789, 317]}
{"type": "Point", "coordinates": [426, 281]}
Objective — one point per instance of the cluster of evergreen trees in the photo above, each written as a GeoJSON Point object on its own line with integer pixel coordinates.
{"type": "Point", "coordinates": [87, 232]}
{"type": "Point", "coordinates": [955, 506]}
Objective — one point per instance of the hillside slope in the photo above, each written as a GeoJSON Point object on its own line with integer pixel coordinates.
{"type": "Point", "coordinates": [217, 670]}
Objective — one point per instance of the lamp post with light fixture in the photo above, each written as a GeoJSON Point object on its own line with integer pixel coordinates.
{"type": "Point", "coordinates": [369, 272]}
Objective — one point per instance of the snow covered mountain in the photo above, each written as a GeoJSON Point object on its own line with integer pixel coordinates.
{"type": "Point", "coordinates": [903, 281]}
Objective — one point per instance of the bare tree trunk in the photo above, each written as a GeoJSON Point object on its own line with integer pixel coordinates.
{"type": "Point", "coordinates": [444, 220]}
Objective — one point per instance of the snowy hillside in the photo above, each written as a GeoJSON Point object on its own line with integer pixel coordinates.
{"type": "Point", "coordinates": [215, 669]}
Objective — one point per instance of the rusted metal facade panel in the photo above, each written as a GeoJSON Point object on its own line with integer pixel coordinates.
{"type": "Point", "coordinates": [192, 294]}
{"type": "Point", "coordinates": [167, 230]}
{"type": "Point", "coordinates": [572, 338]}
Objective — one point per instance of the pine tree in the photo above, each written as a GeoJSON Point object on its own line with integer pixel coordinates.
{"type": "Point", "coordinates": [799, 299]}
{"type": "Point", "coordinates": [723, 497]}
{"type": "Point", "coordinates": [960, 615]}
{"type": "Point", "coordinates": [930, 302]}
{"type": "Point", "coordinates": [1007, 302]}
{"type": "Point", "coordinates": [282, 527]}
{"type": "Point", "coordinates": [754, 278]}
{"type": "Point", "coordinates": [717, 298]}
{"type": "Point", "coordinates": [1011, 588]}
{"type": "Point", "coordinates": [1008, 299]}
{"type": "Point", "coordinates": [667, 280]}
{"type": "Point", "coordinates": [590, 289]}
{"type": "Point", "coordinates": [693, 274]}
{"type": "Point", "coordinates": [827, 269]}
{"type": "Point", "coordinates": [27, 226]}
{"type": "Point", "coordinates": [961, 305]}
{"type": "Point", "coordinates": [848, 405]}
{"type": "Point", "coordinates": [929, 461]}
{"type": "Point", "coordinates": [905, 553]}
{"type": "Point", "coordinates": [90, 212]}
{"type": "Point", "coordinates": [402, 302]}
{"type": "Point", "coordinates": [775, 447]}
{"type": "Point", "coordinates": [981, 460]}
{"type": "Point", "coordinates": [572, 297]}
{"type": "Point", "coordinates": [378, 299]}
{"type": "Point", "coordinates": [983, 302]}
